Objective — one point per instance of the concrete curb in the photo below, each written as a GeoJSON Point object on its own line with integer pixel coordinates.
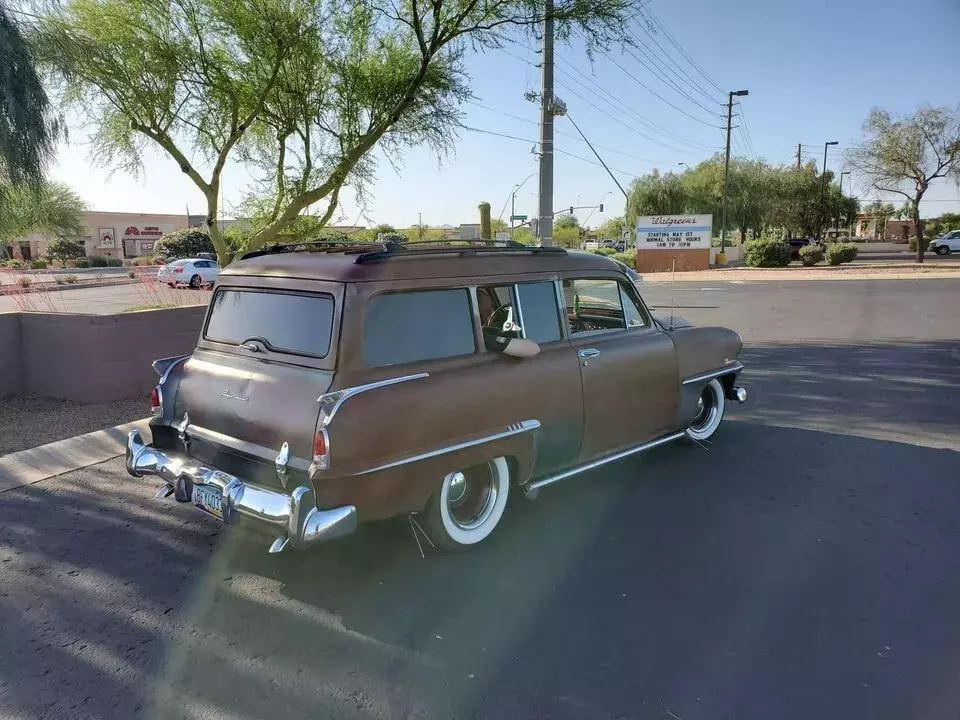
{"type": "Point", "coordinates": [31, 466]}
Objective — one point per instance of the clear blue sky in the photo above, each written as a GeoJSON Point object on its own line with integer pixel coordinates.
{"type": "Point", "coordinates": [814, 69]}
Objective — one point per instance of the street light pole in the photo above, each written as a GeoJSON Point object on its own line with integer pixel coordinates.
{"type": "Point", "coordinates": [823, 190]}
{"type": "Point", "coordinates": [726, 166]}
{"type": "Point", "coordinates": [545, 205]}
{"type": "Point", "coordinates": [513, 200]}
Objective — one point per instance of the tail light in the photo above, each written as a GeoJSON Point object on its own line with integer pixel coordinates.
{"type": "Point", "coordinates": [155, 405]}
{"type": "Point", "coordinates": [178, 270]}
{"type": "Point", "coordinates": [321, 452]}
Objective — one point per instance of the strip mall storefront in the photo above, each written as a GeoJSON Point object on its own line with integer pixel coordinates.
{"type": "Point", "coordinates": [115, 234]}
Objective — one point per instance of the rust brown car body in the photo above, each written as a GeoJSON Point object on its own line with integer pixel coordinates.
{"type": "Point", "coordinates": [248, 419]}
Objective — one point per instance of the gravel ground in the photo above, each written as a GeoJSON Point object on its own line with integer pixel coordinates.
{"type": "Point", "coordinates": [31, 421]}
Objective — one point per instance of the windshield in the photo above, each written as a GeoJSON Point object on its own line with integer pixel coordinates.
{"type": "Point", "coordinates": [239, 316]}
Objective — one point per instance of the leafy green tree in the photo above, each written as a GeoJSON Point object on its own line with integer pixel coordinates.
{"type": "Point", "coordinates": [186, 243]}
{"type": "Point", "coordinates": [300, 90]}
{"type": "Point", "coordinates": [29, 129]}
{"type": "Point", "coordinates": [566, 236]}
{"type": "Point", "coordinates": [51, 208]}
{"type": "Point", "coordinates": [657, 194]}
{"type": "Point", "coordinates": [567, 220]}
{"type": "Point", "coordinates": [612, 229]}
{"type": "Point", "coordinates": [524, 235]}
{"type": "Point", "coordinates": [63, 249]}
{"type": "Point", "coordinates": [904, 155]}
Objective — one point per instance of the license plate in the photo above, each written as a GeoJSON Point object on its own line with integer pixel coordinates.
{"type": "Point", "coordinates": [208, 498]}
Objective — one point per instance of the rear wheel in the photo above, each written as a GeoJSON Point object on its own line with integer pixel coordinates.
{"type": "Point", "coordinates": [468, 505]}
{"type": "Point", "coordinates": [195, 282]}
{"type": "Point", "coordinates": [710, 407]}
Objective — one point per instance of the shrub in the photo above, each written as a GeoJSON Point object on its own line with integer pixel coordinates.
{"type": "Point", "coordinates": [39, 264]}
{"type": "Point", "coordinates": [627, 258]}
{"type": "Point", "coordinates": [82, 262]}
{"type": "Point", "coordinates": [912, 242]}
{"type": "Point", "coordinates": [184, 244]}
{"type": "Point", "coordinates": [15, 264]}
{"type": "Point", "coordinates": [114, 262]}
{"type": "Point", "coordinates": [97, 261]}
{"type": "Point", "coordinates": [840, 253]}
{"type": "Point", "coordinates": [69, 279]}
{"type": "Point", "coordinates": [131, 274]}
{"type": "Point", "coordinates": [811, 255]}
{"type": "Point", "coordinates": [608, 251]}
{"type": "Point", "coordinates": [63, 249]}
{"type": "Point", "coordinates": [159, 260]}
{"type": "Point", "coordinates": [143, 260]}
{"type": "Point", "coordinates": [767, 252]}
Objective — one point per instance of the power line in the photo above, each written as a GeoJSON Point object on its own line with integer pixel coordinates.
{"type": "Point", "coordinates": [570, 135]}
{"type": "Point", "coordinates": [699, 88]}
{"type": "Point", "coordinates": [647, 122]}
{"type": "Point", "coordinates": [555, 149]}
{"type": "Point", "coordinates": [647, 13]}
{"type": "Point", "coordinates": [656, 94]}
{"type": "Point", "coordinates": [663, 77]}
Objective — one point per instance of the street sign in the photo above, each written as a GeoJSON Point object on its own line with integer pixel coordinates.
{"type": "Point", "coordinates": [521, 218]}
{"type": "Point", "coordinates": [674, 232]}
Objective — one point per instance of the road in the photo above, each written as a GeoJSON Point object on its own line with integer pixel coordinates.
{"type": "Point", "coordinates": [103, 300]}
{"type": "Point", "coordinates": [805, 566]}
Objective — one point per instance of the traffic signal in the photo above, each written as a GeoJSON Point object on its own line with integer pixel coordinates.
{"type": "Point", "coordinates": [601, 207]}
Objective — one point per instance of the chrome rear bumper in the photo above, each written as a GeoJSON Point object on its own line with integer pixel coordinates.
{"type": "Point", "coordinates": [293, 519]}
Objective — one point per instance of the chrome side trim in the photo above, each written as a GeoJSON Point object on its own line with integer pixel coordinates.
{"type": "Point", "coordinates": [249, 448]}
{"type": "Point", "coordinates": [330, 403]}
{"type": "Point", "coordinates": [513, 429]}
{"type": "Point", "coordinates": [733, 367]}
{"type": "Point", "coordinates": [531, 488]}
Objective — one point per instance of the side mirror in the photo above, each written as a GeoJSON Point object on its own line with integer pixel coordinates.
{"type": "Point", "coordinates": [521, 348]}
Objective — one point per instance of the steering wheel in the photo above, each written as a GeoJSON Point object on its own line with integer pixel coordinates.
{"type": "Point", "coordinates": [490, 323]}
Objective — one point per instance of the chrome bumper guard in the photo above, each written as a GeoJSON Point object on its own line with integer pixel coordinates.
{"type": "Point", "coordinates": [294, 519]}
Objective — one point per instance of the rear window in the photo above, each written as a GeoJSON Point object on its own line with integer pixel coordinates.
{"type": "Point", "coordinates": [284, 322]}
{"type": "Point", "coordinates": [413, 326]}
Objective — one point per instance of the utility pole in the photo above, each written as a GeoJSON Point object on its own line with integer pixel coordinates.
{"type": "Point", "coordinates": [420, 224]}
{"type": "Point", "coordinates": [726, 166]}
{"type": "Point", "coordinates": [545, 210]}
{"type": "Point", "coordinates": [799, 145]}
{"type": "Point", "coordinates": [823, 190]}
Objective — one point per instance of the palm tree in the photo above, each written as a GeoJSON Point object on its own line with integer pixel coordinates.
{"type": "Point", "coordinates": [29, 127]}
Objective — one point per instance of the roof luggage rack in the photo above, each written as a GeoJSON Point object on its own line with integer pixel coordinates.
{"type": "Point", "coordinates": [451, 247]}
{"type": "Point", "coordinates": [314, 245]}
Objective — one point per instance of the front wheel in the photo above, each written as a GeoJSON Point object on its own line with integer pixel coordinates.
{"type": "Point", "coordinates": [710, 406]}
{"type": "Point", "coordinates": [943, 250]}
{"type": "Point", "coordinates": [468, 505]}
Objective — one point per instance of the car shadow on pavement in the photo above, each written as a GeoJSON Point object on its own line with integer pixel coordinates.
{"type": "Point", "coordinates": [790, 570]}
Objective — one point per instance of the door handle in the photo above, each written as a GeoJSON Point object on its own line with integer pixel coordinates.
{"type": "Point", "coordinates": [588, 353]}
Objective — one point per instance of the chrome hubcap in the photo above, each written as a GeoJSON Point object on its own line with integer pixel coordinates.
{"type": "Point", "coordinates": [472, 495]}
{"type": "Point", "coordinates": [706, 409]}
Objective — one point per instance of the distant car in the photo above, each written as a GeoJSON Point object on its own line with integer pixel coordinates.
{"type": "Point", "coordinates": [946, 244]}
{"type": "Point", "coordinates": [194, 272]}
{"type": "Point", "coordinates": [796, 244]}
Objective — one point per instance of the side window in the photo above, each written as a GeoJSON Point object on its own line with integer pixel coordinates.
{"type": "Point", "coordinates": [593, 305]}
{"type": "Point", "coordinates": [413, 326]}
{"type": "Point", "coordinates": [538, 305]}
{"type": "Point", "coordinates": [631, 311]}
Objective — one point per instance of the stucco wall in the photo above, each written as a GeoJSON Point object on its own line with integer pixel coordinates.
{"type": "Point", "coordinates": [11, 369]}
{"type": "Point", "coordinates": [95, 358]}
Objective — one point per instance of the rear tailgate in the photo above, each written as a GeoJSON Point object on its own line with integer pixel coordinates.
{"type": "Point", "coordinates": [266, 354]}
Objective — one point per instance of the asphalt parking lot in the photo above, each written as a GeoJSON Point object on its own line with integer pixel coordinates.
{"type": "Point", "coordinates": [804, 566]}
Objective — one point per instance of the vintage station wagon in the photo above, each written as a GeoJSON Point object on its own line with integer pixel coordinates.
{"type": "Point", "coordinates": [332, 385]}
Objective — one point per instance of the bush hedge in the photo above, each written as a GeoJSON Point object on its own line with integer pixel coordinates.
{"type": "Point", "coordinates": [114, 262]}
{"type": "Point", "coordinates": [811, 255]}
{"type": "Point", "coordinates": [912, 243]}
{"type": "Point", "coordinates": [840, 253]}
{"type": "Point", "coordinates": [627, 258]}
{"type": "Point", "coordinates": [14, 264]}
{"type": "Point", "coordinates": [767, 252]}
{"type": "Point", "coordinates": [39, 264]}
{"type": "Point", "coordinates": [184, 244]}
{"type": "Point", "coordinates": [82, 262]}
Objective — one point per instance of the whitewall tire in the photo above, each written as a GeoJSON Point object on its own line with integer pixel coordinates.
{"type": "Point", "coordinates": [710, 407]}
{"type": "Point", "coordinates": [469, 504]}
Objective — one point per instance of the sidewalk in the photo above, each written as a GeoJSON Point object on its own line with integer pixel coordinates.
{"type": "Point", "coordinates": [875, 270]}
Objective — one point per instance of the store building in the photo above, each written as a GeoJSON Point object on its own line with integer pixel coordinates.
{"type": "Point", "coordinates": [112, 234]}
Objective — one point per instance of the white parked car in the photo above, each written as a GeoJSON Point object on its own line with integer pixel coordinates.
{"type": "Point", "coordinates": [946, 244]}
{"type": "Point", "coordinates": [195, 272]}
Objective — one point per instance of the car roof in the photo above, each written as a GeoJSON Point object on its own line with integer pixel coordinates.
{"type": "Point", "coordinates": [423, 265]}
